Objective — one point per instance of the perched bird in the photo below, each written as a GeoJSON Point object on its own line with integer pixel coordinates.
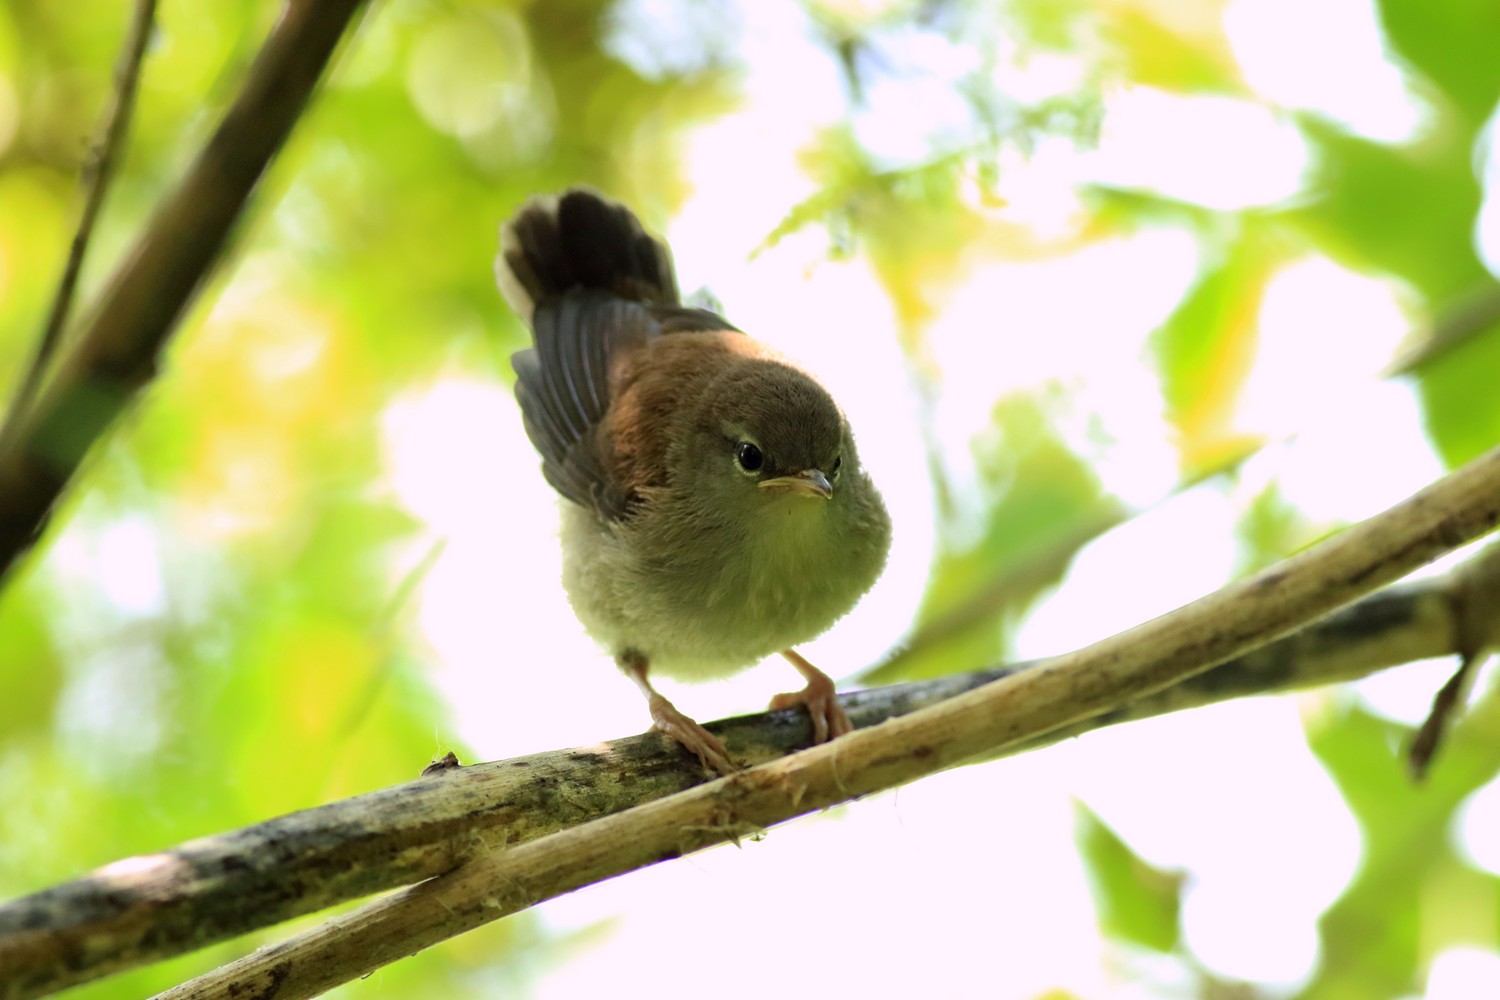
{"type": "Point", "coordinates": [716, 508]}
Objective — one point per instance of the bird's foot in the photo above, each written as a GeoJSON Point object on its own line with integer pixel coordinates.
{"type": "Point", "coordinates": [828, 717]}
{"type": "Point", "coordinates": [666, 719]}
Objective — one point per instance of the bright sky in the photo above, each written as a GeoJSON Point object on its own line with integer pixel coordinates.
{"type": "Point", "coordinates": [972, 877]}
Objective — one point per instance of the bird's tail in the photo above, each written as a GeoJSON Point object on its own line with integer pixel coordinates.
{"type": "Point", "coordinates": [581, 240]}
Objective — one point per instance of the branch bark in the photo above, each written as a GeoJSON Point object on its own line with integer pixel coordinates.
{"type": "Point", "coordinates": [121, 341]}
{"type": "Point", "coordinates": [144, 909]}
{"type": "Point", "coordinates": [497, 880]}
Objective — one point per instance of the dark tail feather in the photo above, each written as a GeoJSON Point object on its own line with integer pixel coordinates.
{"type": "Point", "coordinates": [581, 240]}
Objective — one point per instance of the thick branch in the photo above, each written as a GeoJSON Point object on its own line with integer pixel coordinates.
{"type": "Point", "coordinates": [150, 908]}
{"type": "Point", "coordinates": [117, 353]}
{"type": "Point", "coordinates": [1015, 710]}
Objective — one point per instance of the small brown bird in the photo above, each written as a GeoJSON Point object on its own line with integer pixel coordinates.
{"type": "Point", "coordinates": [717, 509]}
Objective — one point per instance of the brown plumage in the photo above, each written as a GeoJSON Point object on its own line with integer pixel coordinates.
{"type": "Point", "coordinates": [718, 511]}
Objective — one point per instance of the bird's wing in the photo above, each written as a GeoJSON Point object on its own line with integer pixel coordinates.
{"type": "Point", "coordinates": [595, 286]}
{"type": "Point", "coordinates": [564, 385]}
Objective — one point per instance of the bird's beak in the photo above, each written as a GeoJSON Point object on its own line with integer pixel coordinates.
{"type": "Point", "coordinates": [809, 482]}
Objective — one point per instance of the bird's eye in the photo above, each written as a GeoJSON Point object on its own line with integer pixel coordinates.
{"type": "Point", "coordinates": [838, 463]}
{"type": "Point", "coordinates": [748, 457]}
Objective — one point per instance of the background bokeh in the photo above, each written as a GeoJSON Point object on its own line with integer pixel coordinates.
{"type": "Point", "coordinates": [1125, 299]}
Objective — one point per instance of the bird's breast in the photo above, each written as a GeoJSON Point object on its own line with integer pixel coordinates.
{"type": "Point", "coordinates": [706, 602]}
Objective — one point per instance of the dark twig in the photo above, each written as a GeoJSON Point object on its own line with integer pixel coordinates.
{"type": "Point", "coordinates": [1475, 596]}
{"type": "Point", "coordinates": [1472, 314]}
{"type": "Point", "coordinates": [96, 177]}
{"type": "Point", "coordinates": [1445, 706]}
{"type": "Point", "coordinates": [116, 354]}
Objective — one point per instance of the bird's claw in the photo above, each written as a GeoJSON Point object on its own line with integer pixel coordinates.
{"type": "Point", "coordinates": [828, 716]}
{"type": "Point", "coordinates": [711, 752]}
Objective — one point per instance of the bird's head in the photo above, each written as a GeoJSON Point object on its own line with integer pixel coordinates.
{"type": "Point", "coordinates": [768, 439]}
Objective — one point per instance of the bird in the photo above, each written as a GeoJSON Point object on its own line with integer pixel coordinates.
{"type": "Point", "coordinates": [714, 507]}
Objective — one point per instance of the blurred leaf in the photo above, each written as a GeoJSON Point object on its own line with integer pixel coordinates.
{"type": "Point", "coordinates": [1206, 348]}
{"type": "Point", "coordinates": [1453, 44]}
{"type": "Point", "coordinates": [1270, 529]}
{"type": "Point", "coordinates": [1458, 394]}
{"type": "Point", "coordinates": [1177, 47]}
{"type": "Point", "coordinates": [1041, 503]}
{"type": "Point", "coordinates": [911, 222]}
{"type": "Point", "coordinates": [1380, 934]}
{"type": "Point", "coordinates": [34, 211]}
{"type": "Point", "coordinates": [1408, 211]}
{"type": "Point", "coordinates": [1053, 24]}
{"type": "Point", "coordinates": [1136, 902]}
{"type": "Point", "coordinates": [30, 671]}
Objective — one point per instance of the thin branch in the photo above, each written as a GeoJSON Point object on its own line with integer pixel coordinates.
{"type": "Point", "coordinates": [146, 909]}
{"type": "Point", "coordinates": [1478, 635]}
{"type": "Point", "coordinates": [1472, 314]}
{"type": "Point", "coordinates": [499, 880]}
{"type": "Point", "coordinates": [96, 178]}
{"type": "Point", "coordinates": [112, 911]}
{"type": "Point", "coordinates": [117, 353]}
{"type": "Point", "coordinates": [1434, 729]}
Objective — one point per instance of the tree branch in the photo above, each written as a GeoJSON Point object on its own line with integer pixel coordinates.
{"type": "Point", "coordinates": [117, 353]}
{"type": "Point", "coordinates": [498, 879]}
{"type": "Point", "coordinates": [149, 908]}
{"type": "Point", "coordinates": [96, 178]}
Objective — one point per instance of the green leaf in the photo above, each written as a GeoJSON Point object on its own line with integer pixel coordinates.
{"type": "Point", "coordinates": [1407, 211]}
{"type": "Point", "coordinates": [1137, 903]}
{"type": "Point", "coordinates": [1271, 528]}
{"type": "Point", "coordinates": [1458, 393]}
{"type": "Point", "coordinates": [1041, 504]}
{"type": "Point", "coordinates": [1206, 348]}
{"type": "Point", "coordinates": [1187, 57]}
{"type": "Point", "coordinates": [1453, 43]}
{"type": "Point", "coordinates": [1412, 896]}
{"type": "Point", "coordinates": [32, 677]}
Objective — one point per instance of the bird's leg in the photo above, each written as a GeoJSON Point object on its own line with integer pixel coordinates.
{"type": "Point", "coordinates": [828, 717]}
{"type": "Point", "coordinates": [665, 718]}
